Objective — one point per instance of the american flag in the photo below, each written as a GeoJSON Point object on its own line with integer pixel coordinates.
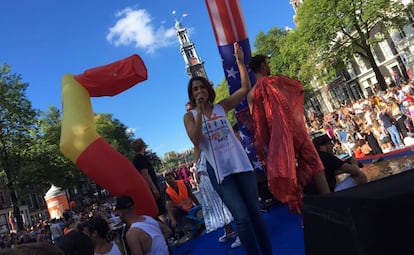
{"type": "Point", "coordinates": [228, 24]}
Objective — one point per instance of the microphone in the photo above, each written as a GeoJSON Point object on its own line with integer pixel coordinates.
{"type": "Point", "coordinates": [200, 102]}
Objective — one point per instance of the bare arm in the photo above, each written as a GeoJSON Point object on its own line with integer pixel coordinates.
{"type": "Point", "coordinates": [354, 171]}
{"type": "Point", "coordinates": [170, 206]}
{"type": "Point", "coordinates": [197, 153]}
{"type": "Point", "coordinates": [234, 99]}
{"type": "Point", "coordinates": [321, 183]}
{"type": "Point", "coordinates": [194, 198]}
{"type": "Point", "coordinates": [193, 127]}
{"type": "Point", "coordinates": [166, 231]}
{"type": "Point", "coordinates": [250, 99]}
{"type": "Point", "coordinates": [134, 242]}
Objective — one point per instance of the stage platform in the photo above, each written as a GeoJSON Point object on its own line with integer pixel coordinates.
{"type": "Point", "coordinates": [285, 230]}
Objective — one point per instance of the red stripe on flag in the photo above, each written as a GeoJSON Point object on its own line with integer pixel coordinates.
{"type": "Point", "coordinates": [225, 18]}
{"type": "Point", "coordinates": [227, 21]}
{"type": "Point", "coordinates": [238, 19]}
{"type": "Point", "coordinates": [211, 13]}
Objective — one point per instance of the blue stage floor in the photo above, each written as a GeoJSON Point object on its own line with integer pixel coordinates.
{"type": "Point", "coordinates": [284, 228]}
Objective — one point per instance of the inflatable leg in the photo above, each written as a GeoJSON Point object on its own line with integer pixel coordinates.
{"type": "Point", "coordinates": [112, 171]}
{"type": "Point", "coordinates": [112, 79]}
{"type": "Point", "coordinates": [104, 165]}
{"type": "Point", "coordinates": [78, 126]}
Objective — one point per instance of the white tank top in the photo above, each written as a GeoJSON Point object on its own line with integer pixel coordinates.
{"type": "Point", "coordinates": [151, 227]}
{"type": "Point", "coordinates": [114, 251]}
{"type": "Point", "coordinates": [223, 150]}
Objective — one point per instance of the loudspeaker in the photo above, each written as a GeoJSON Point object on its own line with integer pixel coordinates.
{"type": "Point", "coordinates": [371, 219]}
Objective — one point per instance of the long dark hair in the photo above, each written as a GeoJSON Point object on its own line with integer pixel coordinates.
{"type": "Point", "coordinates": [209, 86]}
{"type": "Point", "coordinates": [100, 226]}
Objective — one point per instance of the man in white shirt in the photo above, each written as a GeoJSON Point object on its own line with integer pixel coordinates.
{"type": "Point", "coordinates": [144, 235]}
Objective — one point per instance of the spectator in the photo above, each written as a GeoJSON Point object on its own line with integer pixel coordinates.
{"type": "Point", "coordinates": [144, 235]}
{"type": "Point", "coordinates": [334, 166]}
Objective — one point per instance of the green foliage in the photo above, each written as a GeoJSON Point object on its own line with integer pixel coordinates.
{"type": "Point", "coordinates": [115, 133]}
{"type": "Point", "coordinates": [171, 160]}
{"type": "Point", "coordinates": [271, 44]}
{"type": "Point", "coordinates": [47, 165]}
{"type": "Point", "coordinates": [30, 159]}
{"type": "Point", "coordinates": [337, 30]}
{"type": "Point", "coordinates": [17, 119]}
{"type": "Point", "coordinates": [154, 160]}
{"type": "Point", "coordinates": [174, 159]}
{"type": "Point", "coordinates": [290, 54]}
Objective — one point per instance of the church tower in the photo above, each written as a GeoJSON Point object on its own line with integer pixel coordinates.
{"type": "Point", "coordinates": [295, 4]}
{"type": "Point", "coordinates": [193, 64]}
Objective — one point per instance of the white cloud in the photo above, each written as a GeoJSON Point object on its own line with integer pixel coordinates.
{"type": "Point", "coordinates": [134, 26]}
{"type": "Point", "coordinates": [131, 131]}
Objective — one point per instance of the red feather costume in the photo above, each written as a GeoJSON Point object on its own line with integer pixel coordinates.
{"type": "Point", "coordinates": [281, 139]}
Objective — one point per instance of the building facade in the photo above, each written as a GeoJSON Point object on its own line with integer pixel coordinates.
{"type": "Point", "coordinates": [32, 208]}
{"type": "Point", "coordinates": [395, 54]}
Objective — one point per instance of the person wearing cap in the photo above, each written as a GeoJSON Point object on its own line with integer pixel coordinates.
{"type": "Point", "coordinates": [144, 235]}
{"type": "Point", "coordinates": [335, 166]}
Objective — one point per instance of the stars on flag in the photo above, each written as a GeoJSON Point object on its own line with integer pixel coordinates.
{"type": "Point", "coordinates": [242, 136]}
{"type": "Point", "coordinates": [257, 165]}
{"type": "Point", "coordinates": [247, 150]}
{"type": "Point", "coordinates": [231, 72]}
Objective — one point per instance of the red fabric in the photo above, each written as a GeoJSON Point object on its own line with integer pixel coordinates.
{"type": "Point", "coordinates": [112, 79]}
{"type": "Point", "coordinates": [281, 139]}
{"type": "Point", "coordinates": [358, 153]}
{"type": "Point", "coordinates": [115, 173]}
{"type": "Point", "coordinates": [409, 98]}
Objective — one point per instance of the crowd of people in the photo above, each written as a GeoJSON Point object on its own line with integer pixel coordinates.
{"type": "Point", "coordinates": [373, 125]}
{"type": "Point", "coordinates": [52, 230]}
{"type": "Point", "coordinates": [221, 182]}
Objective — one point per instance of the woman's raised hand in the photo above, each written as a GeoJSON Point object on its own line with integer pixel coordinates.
{"type": "Point", "coordinates": [238, 52]}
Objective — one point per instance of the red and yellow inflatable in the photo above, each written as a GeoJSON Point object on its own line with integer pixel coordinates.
{"type": "Point", "coordinates": [85, 147]}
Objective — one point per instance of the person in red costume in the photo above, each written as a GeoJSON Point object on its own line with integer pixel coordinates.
{"type": "Point", "coordinates": [280, 137]}
{"type": "Point", "coordinates": [85, 147]}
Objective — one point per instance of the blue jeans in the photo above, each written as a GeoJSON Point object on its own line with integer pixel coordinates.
{"type": "Point", "coordinates": [395, 135]}
{"type": "Point", "coordinates": [240, 195]}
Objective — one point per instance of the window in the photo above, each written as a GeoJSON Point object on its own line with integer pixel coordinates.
{"type": "Point", "coordinates": [351, 71]}
{"type": "Point", "coordinates": [386, 50]}
{"type": "Point", "coordinates": [361, 64]}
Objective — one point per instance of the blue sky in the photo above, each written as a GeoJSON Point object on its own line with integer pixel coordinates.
{"type": "Point", "coordinates": [42, 40]}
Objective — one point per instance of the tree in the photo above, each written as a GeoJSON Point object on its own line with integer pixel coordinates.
{"type": "Point", "coordinates": [47, 164]}
{"type": "Point", "coordinates": [115, 133]}
{"type": "Point", "coordinates": [340, 29]}
{"type": "Point", "coordinates": [288, 55]}
{"type": "Point", "coordinates": [17, 119]}
{"type": "Point", "coordinates": [154, 160]}
{"type": "Point", "coordinates": [171, 159]}
{"type": "Point", "coordinates": [271, 44]}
